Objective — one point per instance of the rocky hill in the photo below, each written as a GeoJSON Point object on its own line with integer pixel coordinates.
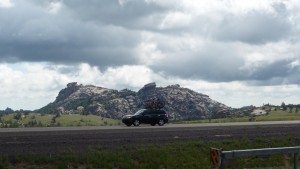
{"type": "Point", "coordinates": [180, 103]}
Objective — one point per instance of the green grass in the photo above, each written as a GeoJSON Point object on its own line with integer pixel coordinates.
{"type": "Point", "coordinates": [44, 119]}
{"type": "Point", "coordinates": [89, 120]}
{"type": "Point", "coordinates": [48, 120]}
{"type": "Point", "coordinates": [278, 115]}
{"type": "Point", "coordinates": [223, 120]}
{"type": "Point", "coordinates": [179, 155]}
{"type": "Point", "coordinates": [8, 117]}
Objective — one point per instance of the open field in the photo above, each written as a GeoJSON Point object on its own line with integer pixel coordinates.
{"type": "Point", "coordinates": [170, 146]}
{"type": "Point", "coordinates": [278, 115]}
{"type": "Point", "coordinates": [48, 120]}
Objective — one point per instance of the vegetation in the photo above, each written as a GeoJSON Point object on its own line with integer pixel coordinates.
{"type": "Point", "coordinates": [49, 120]}
{"type": "Point", "coordinates": [273, 114]}
{"type": "Point", "coordinates": [184, 155]}
{"type": "Point", "coordinates": [82, 118]}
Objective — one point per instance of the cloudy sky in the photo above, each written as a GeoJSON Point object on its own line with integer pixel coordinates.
{"type": "Point", "coordinates": [237, 52]}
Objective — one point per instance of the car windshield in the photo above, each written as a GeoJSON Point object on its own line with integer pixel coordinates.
{"type": "Point", "coordinates": [139, 112]}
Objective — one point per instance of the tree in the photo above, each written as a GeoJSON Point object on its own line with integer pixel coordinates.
{"type": "Point", "coordinates": [283, 106]}
{"type": "Point", "coordinates": [53, 121]}
{"type": "Point", "coordinates": [40, 124]}
{"type": "Point", "coordinates": [85, 113]}
{"type": "Point", "coordinates": [18, 116]}
{"type": "Point", "coordinates": [32, 123]}
{"type": "Point", "coordinates": [290, 106]}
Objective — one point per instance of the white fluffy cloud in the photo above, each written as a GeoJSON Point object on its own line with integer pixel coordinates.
{"type": "Point", "coordinates": [33, 85]}
{"type": "Point", "coordinates": [6, 3]}
{"type": "Point", "coordinates": [55, 7]}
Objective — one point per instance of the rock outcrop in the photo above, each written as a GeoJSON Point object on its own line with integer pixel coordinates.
{"type": "Point", "coordinates": [180, 103]}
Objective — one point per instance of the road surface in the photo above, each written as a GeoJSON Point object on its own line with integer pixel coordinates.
{"type": "Point", "coordinates": [61, 139]}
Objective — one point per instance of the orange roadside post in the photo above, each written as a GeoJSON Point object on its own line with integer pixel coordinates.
{"type": "Point", "coordinates": [215, 158]}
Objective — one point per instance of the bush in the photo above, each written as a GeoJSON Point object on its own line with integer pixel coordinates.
{"type": "Point", "coordinates": [18, 116]}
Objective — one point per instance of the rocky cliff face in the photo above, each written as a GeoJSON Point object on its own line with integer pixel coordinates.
{"type": "Point", "coordinates": [180, 103]}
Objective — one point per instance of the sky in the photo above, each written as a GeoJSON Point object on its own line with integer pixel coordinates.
{"type": "Point", "coordinates": [238, 52]}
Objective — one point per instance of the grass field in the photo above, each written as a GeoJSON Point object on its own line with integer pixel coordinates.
{"type": "Point", "coordinates": [278, 115]}
{"type": "Point", "coordinates": [89, 120]}
{"type": "Point", "coordinates": [48, 120]}
{"type": "Point", "coordinates": [180, 155]}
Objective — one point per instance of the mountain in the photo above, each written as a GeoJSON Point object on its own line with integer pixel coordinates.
{"type": "Point", "coordinates": [180, 103]}
{"type": "Point", "coordinates": [7, 111]}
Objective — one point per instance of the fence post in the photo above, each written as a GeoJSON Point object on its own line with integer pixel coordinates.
{"type": "Point", "coordinates": [215, 158]}
{"type": "Point", "coordinates": [295, 160]}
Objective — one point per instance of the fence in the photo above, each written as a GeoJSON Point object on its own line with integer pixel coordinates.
{"type": "Point", "coordinates": [218, 157]}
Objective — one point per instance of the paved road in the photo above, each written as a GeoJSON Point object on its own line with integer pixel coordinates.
{"type": "Point", "coordinates": [123, 127]}
{"type": "Point", "coordinates": [60, 139]}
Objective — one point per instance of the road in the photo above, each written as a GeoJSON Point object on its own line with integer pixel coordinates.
{"type": "Point", "coordinates": [60, 139]}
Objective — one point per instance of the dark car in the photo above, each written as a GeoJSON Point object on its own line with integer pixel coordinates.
{"type": "Point", "coordinates": [146, 116]}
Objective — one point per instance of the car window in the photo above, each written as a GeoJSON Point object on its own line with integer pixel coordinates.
{"type": "Point", "coordinates": [152, 111]}
{"type": "Point", "coordinates": [157, 112]}
{"type": "Point", "coordinates": [146, 112]}
{"type": "Point", "coordinates": [139, 112]}
{"type": "Point", "coordinates": [162, 112]}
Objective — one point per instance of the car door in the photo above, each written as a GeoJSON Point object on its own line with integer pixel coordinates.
{"type": "Point", "coordinates": [155, 116]}
{"type": "Point", "coordinates": [146, 117]}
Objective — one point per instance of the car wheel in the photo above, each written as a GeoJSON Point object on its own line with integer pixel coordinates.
{"type": "Point", "coordinates": [161, 122]}
{"type": "Point", "coordinates": [152, 124]}
{"type": "Point", "coordinates": [136, 122]}
{"type": "Point", "coordinates": [128, 124]}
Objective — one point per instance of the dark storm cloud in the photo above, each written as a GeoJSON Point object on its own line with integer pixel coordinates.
{"type": "Point", "coordinates": [223, 60]}
{"type": "Point", "coordinates": [276, 73]}
{"type": "Point", "coordinates": [109, 33]}
{"type": "Point", "coordinates": [279, 73]}
{"type": "Point", "coordinates": [212, 62]}
{"type": "Point", "coordinates": [254, 27]}
{"type": "Point", "coordinates": [29, 33]}
{"type": "Point", "coordinates": [134, 14]}
{"type": "Point", "coordinates": [218, 63]}
{"type": "Point", "coordinates": [226, 69]}
{"type": "Point", "coordinates": [279, 68]}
